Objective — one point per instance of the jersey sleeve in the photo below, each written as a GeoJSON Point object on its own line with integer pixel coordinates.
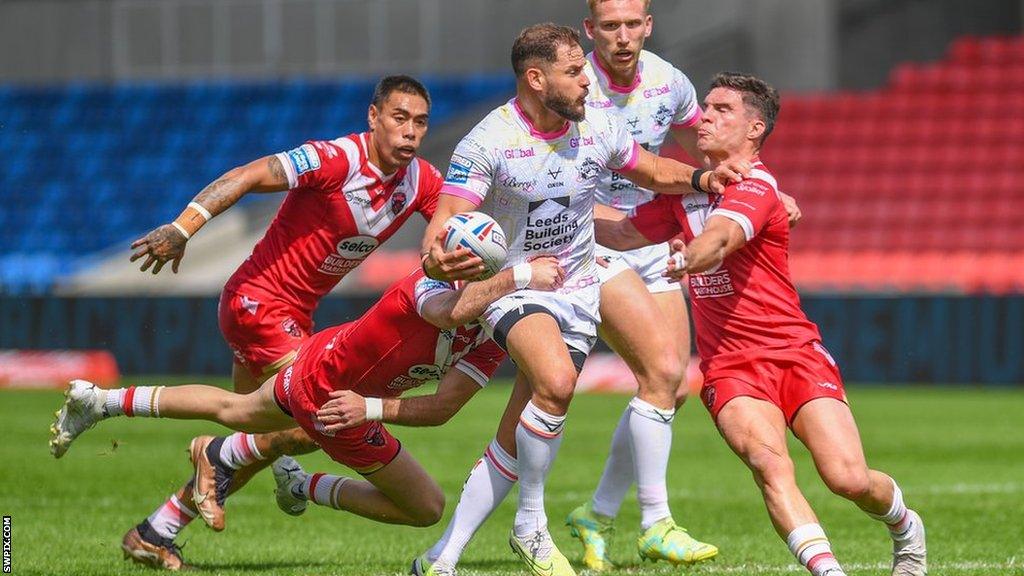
{"type": "Point", "coordinates": [316, 165]}
{"type": "Point", "coordinates": [481, 362]}
{"type": "Point", "coordinates": [750, 204]}
{"type": "Point", "coordinates": [471, 170]}
{"type": "Point", "coordinates": [623, 150]}
{"type": "Point", "coordinates": [427, 288]}
{"type": "Point", "coordinates": [688, 111]}
{"type": "Point", "coordinates": [430, 189]}
{"type": "Point", "coordinates": [656, 219]}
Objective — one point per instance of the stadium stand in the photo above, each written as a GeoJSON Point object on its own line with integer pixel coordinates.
{"type": "Point", "coordinates": [90, 166]}
{"type": "Point", "coordinates": [916, 186]}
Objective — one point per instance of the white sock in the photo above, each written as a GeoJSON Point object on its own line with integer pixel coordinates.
{"type": "Point", "coordinates": [538, 437]}
{"type": "Point", "coordinates": [324, 489]}
{"type": "Point", "coordinates": [169, 519]}
{"type": "Point", "coordinates": [488, 484]}
{"type": "Point", "coordinates": [239, 449]}
{"type": "Point", "coordinates": [812, 549]}
{"type": "Point", "coordinates": [650, 430]}
{"type": "Point", "coordinates": [133, 401]}
{"type": "Point", "coordinates": [618, 474]}
{"type": "Point", "coordinates": [897, 519]}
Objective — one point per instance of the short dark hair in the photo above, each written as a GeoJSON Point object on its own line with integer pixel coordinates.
{"type": "Point", "coordinates": [541, 41]}
{"type": "Point", "coordinates": [398, 83]}
{"type": "Point", "coordinates": [758, 95]}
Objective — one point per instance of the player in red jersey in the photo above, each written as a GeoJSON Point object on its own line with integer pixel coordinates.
{"type": "Point", "coordinates": [764, 365]}
{"type": "Point", "coordinates": [421, 330]}
{"type": "Point", "coordinates": [346, 197]}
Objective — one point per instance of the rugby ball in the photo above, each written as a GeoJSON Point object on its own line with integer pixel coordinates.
{"type": "Point", "coordinates": [481, 235]}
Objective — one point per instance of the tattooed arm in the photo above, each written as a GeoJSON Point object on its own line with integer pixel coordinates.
{"type": "Point", "coordinates": [167, 243]}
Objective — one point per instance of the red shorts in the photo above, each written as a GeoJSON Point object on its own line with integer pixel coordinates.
{"type": "Point", "coordinates": [263, 334]}
{"type": "Point", "coordinates": [787, 378]}
{"type": "Point", "coordinates": [365, 449]}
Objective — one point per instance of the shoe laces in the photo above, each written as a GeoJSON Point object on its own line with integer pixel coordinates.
{"type": "Point", "coordinates": [537, 543]}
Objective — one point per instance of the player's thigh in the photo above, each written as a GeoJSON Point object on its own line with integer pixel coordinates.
{"type": "Point", "coordinates": [535, 344]}
{"type": "Point", "coordinates": [827, 428]}
{"type": "Point", "coordinates": [756, 432]}
{"type": "Point", "coordinates": [243, 380]}
{"type": "Point", "coordinates": [265, 411]}
{"type": "Point", "coordinates": [506, 434]}
{"type": "Point", "coordinates": [676, 317]}
{"type": "Point", "coordinates": [406, 483]}
{"type": "Point", "coordinates": [633, 325]}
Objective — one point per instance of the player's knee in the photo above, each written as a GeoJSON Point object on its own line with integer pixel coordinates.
{"type": "Point", "coordinates": [430, 510]}
{"type": "Point", "coordinates": [556, 391]}
{"type": "Point", "coordinates": [850, 482]}
{"type": "Point", "coordinates": [770, 467]}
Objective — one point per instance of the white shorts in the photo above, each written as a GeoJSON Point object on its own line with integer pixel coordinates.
{"type": "Point", "coordinates": [577, 313]}
{"type": "Point", "coordinates": [649, 262]}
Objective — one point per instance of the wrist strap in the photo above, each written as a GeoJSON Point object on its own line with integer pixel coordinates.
{"type": "Point", "coordinates": [695, 179]}
{"type": "Point", "coordinates": [522, 274]}
{"type": "Point", "coordinates": [374, 408]}
{"type": "Point", "coordinates": [192, 219]}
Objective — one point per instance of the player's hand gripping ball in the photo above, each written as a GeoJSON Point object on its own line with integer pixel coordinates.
{"type": "Point", "coordinates": [481, 235]}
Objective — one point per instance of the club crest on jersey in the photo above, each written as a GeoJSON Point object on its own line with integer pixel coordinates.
{"type": "Point", "coordinates": [587, 169]}
{"type": "Point", "coordinates": [304, 158]}
{"type": "Point", "coordinates": [397, 202]}
{"type": "Point", "coordinates": [291, 328]}
{"type": "Point", "coordinates": [663, 115]}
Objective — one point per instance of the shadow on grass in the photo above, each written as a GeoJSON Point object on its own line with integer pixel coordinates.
{"type": "Point", "coordinates": [257, 566]}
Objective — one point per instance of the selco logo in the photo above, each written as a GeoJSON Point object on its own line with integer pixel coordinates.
{"type": "Point", "coordinates": [425, 372]}
{"type": "Point", "coordinates": [356, 247]}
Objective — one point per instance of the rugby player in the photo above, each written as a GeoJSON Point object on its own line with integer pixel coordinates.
{"type": "Point", "coordinates": [421, 330]}
{"type": "Point", "coordinates": [346, 197]}
{"type": "Point", "coordinates": [765, 367]}
{"type": "Point", "coordinates": [534, 164]}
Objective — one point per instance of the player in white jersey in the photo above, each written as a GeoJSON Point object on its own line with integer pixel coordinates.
{"type": "Point", "coordinates": [534, 164]}
{"type": "Point", "coordinates": [644, 316]}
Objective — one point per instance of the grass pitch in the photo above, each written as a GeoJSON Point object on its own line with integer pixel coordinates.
{"type": "Point", "coordinates": [958, 454]}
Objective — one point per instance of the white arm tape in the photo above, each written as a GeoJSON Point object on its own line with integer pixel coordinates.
{"type": "Point", "coordinates": [374, 409]}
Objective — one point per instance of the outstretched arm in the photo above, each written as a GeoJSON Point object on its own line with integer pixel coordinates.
{"type": "Point", "coordinates": [457, 307]}
{"type": "Point", "coordinates": [613, 229]}
{"type": "Point", "coordinates": [167, 242]}
{"type": "Point", "coordinates": [667, 176]}
{"type": "Point", "coordinates": [347, 409]}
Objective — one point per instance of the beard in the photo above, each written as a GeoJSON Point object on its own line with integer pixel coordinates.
{"type": "Point", "coordinates": [565, 107]}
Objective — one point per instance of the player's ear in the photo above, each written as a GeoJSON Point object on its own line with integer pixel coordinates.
{"type": "Point", "coordinates": [371, 117]}
{"type": "Point", "coordinates": [588, 27]}
{"type": "Point", "coordinates": [648, 25]}
{"type": "Point", "coordinates": [535, 78]}
{"type": "Point", "coordinates": [756, 130]}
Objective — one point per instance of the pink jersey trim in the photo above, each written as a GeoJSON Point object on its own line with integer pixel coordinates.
{"type": "Point", "coordinates": [694, 118]}
{"type": "Point", "coordinates": [464, 193]}
{"type": "Point", "coordinates": [533, 130]}
{"type": "Point", "coordinates": [611, 84]}
{"type": "Point", "coordinates": [634, 159]}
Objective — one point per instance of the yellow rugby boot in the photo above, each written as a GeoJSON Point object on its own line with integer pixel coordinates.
{"type": "Point", "coordinates": [666, 541]}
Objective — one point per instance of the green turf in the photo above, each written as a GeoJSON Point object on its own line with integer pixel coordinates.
{"type": "Point", "coordinates": [959, 455]}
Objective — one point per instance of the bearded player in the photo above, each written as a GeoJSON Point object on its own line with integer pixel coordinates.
{"type": "Point", "coordinates": [534, 164]}
{"type": "Point", "coordinates": [346, 197]}
{"type": "Point", "coordinates": [765, 368]}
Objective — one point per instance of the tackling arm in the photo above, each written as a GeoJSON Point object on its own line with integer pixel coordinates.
{"type": "Point", "coordinates": [347, 409]}
{"type": "Point", "coordinates": [720, 238]}
{"type": "Point", "coordinates": [167, 242]}
{"type": "Point", "coordinates": [613, 230]}
{"type": "Point", "coordinates": [666, 176]}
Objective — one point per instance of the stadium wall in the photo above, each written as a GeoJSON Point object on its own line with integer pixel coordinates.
{"type": "Point", "coordinates": [876, 339]}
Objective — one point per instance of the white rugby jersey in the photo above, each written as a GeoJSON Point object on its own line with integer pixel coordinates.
{"type": "Point", "coordinates": [659, 99]}
{"type": "Point", "coordinates": [540, 187]}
